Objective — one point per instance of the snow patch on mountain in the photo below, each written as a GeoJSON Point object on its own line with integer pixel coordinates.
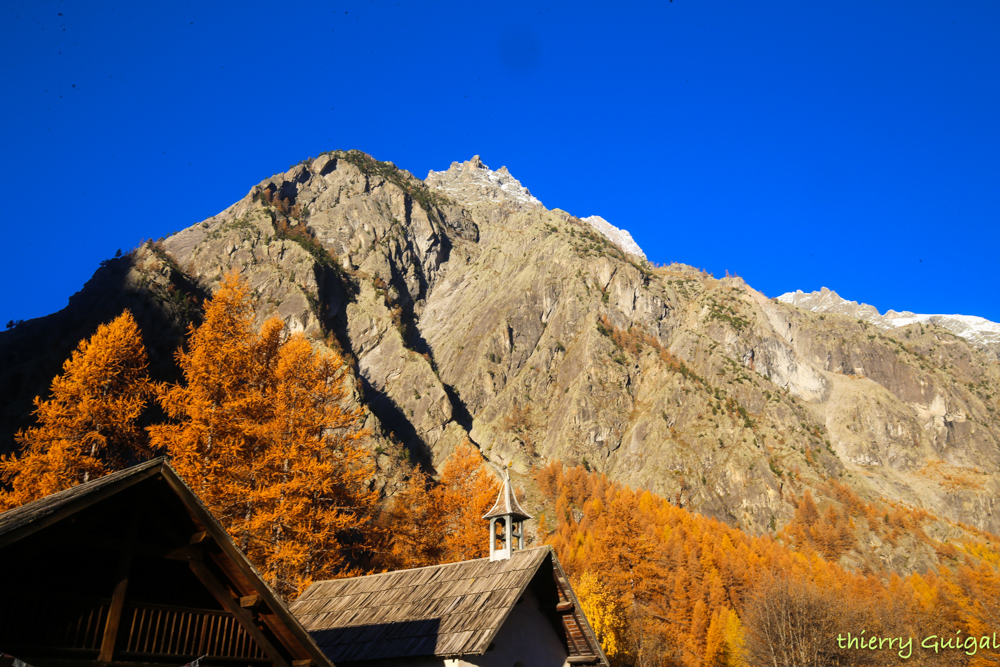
{"type": "Point", "coordinates": [620, 237]}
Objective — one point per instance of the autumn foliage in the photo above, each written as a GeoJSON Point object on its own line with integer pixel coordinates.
{"type": "Point", "coordinates": [430, 522]}
{"type": "Point", "coordinates": [831, 533]}
{"type": "Point", "coordinates": [663, 586]}
{"type": "Point", "coordinates": [261, 430]}
{"type": "Point", "coordinates": [261, 433]}
{"type": "Point", "coordinates": [89, 425]}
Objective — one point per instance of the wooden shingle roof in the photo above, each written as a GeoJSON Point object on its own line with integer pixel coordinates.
{"type": "Point", "coordinates": [441, 610]}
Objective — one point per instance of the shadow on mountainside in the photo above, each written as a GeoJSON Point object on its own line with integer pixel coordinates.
{"type": "Point", "coordinates": [335, 292]}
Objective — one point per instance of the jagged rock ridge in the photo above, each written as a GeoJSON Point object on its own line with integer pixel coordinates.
{"type": "Point", "coordinates": [473, 181]}
{"type": "Point", "coordinates": [977, 330]}
{"type": "Point", "coordinates": [620, 237]}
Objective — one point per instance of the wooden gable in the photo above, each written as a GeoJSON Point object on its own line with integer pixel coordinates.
{"type": "Point", "coordinates": [132, 569]}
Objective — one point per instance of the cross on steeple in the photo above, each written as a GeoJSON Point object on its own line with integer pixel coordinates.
{"type": "Point", "coordinates": [506, 522]}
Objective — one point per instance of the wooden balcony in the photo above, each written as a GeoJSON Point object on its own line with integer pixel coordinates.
{"type": "Point", "coordinates": [73, 628]}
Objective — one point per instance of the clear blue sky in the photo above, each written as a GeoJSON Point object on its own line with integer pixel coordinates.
{"type": "Point", "coordinates": [852, 144]}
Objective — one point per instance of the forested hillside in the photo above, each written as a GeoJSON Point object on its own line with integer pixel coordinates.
{"type": "Point", "coordinates": [663, 586]}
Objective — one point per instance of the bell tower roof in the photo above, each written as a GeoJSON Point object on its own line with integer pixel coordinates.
{"type": "Point", "coordinates": [506, 504]}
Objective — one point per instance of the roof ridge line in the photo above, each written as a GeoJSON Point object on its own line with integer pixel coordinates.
{"type": "Point", "coordinates": [422, 567]}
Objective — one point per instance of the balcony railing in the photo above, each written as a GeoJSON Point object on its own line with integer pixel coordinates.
{"type": "Point", "coordinates": [164, 630]}
{"type": "Point", "coordinates": [148, 631]}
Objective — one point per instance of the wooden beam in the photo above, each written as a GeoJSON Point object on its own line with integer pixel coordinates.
{"type": "Point", "coordinates": [157, 661]}
{"type": "Point", "coordinates": [181, 553]}
{"type": "Point", "coordinates": [155, 550]}
{"type": "Point", "coordinates": [279, 621]}
{"type": "Point", "coordinates": [118, 597]}
{"type": "Point", "coordinates": [301, 663]}
{"type": "Point", "coordinates": [170, 553]}
{"type": "Point", "coordinates": [250, 601]}
{"type": "Point", "coordinates": [226, 599]}
{"type": "Point", "coordinates": [266, 612]}
{"type": "Point", "coordinates": [564, 607]}
{"type": "Point", "coordinates": [114, 620]}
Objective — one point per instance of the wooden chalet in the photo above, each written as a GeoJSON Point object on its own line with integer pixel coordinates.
{"type": "Point", "coordinates": [131, 569]}
{"type": "Point", "coordinates": [513, 609]}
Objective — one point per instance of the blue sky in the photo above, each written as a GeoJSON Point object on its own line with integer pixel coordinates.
{"type": "Point", "coordinates": [854, 145]}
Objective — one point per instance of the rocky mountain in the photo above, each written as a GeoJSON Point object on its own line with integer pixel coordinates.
{"type": "Point", "coordinates": [979, 331]}
{"type": "Point", "coordinates": [470, 310]}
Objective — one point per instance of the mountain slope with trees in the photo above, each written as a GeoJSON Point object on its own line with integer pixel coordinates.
{"type": "Point", "coordinates": [526, 332]}
{"type": "Point", "coordinates": [272, 431]}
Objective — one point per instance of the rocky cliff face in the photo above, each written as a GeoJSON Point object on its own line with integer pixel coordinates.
{"type": "Point", "coordinates": [159, 295]}
{"type": "Point", "coordinates": [470, 310]}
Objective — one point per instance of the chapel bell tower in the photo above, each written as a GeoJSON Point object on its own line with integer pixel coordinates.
{"type": "Point", "coordinates": [506, 523]}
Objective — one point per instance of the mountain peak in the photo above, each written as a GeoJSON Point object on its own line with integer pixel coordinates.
{"type": "Point", "coordinates": [976, 330]}
{"type": "Point", "coordinates": [473, 182]}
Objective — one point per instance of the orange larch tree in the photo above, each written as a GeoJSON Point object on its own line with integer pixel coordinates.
{"type": "Point", "coordinates": [466, 492]}
{"type": "Point", "coordinates": [313, 506]}
{"type": "Point", "coordinates": [412, 526]}
{"type": "Point", "coordinates": [88, 426]}
{"type": "Point", "coordinates": [606, 615]}
{"type": "Point", "coordinates": [262, 434]}
{"type": "Point", "coordinates": [211, 442]}
{"type": "Point", "coordinates": [441, 522]}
